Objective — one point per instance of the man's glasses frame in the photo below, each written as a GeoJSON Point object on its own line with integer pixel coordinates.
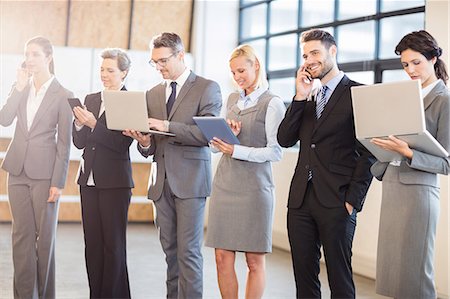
{"type": "Point", "coordinates": [162, 62]}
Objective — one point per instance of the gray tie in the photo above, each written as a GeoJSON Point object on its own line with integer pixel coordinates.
{"type": "Point", "coordinates": [321, 101]}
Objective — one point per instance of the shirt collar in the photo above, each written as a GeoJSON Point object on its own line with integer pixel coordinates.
{"type": "Point", "coordinates": [254, 95]}
{"type": "Point", "coordinates": [181, 79]}
{"type": "Point", "coordinates": [44, 86]}
{"type": "Point", "coordinates": [333, 82]}
{"type": "Point", "coordinates": [426, 90]}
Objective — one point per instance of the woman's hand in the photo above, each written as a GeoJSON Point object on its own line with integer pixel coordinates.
{"type": "Point", "coordinates": [395, 145]}
{"type": "Point", "coordinates": [54, 194]}
{"type": "Point", "coordinates": [222, 146]}
{"type": "Point", "coordinates": [235, 126]}
{"type": "Point", "coordinates": [84, 117]}
{"type": "Point", "coordinates": [143, 139]}
{"type": "Point", "coordinates": [23, 78]}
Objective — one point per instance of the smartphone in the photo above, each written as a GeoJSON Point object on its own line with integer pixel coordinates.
{"type": "Point", "coordinates": [74, 102]}
{"type": "Point", "coordinates": [309, 76]}
{"type": "Point", "coordinates": [23, 65]}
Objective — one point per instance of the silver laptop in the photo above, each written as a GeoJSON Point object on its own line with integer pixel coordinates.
{"type": "Point", "coordinates": [394, 108]}
{"type": "Point", "coordinates": [128, 110]}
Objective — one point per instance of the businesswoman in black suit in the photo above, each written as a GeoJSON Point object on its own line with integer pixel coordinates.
{"type": "Point", "coordinates": [105, 185]}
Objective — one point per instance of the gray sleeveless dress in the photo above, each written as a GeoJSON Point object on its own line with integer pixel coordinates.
{"type": "Point", "coordinates": [242, 198]}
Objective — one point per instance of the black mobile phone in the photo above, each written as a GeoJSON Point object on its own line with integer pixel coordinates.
{"type": "Point", "coordinates": [74, 102]}
{"type": "Point", "coordinates": [309, 76]}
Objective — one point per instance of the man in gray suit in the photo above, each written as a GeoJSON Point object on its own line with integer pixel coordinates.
{"type": "Point", "coordinates": [183, 163]}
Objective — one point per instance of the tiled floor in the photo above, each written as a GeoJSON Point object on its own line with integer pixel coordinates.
{"type": "Point", "coordinates": [146, 267]}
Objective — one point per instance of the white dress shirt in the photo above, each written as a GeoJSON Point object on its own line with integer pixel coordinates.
{"type": "Point", "coordinates": [274, 115]}
{"type": "Point", "coordinates": [35, 100]}
{"type": "Point", "coordinates": [180, 82]}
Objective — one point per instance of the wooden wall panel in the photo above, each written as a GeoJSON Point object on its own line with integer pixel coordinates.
{"type": "Point", "coordinates": [22, 20]}
{"type": "Point", "coordinates": [153, 17]}
{"type": "Point", "coordinates": [141, 173]}
{"type": "Point", "coordinates": [99, 24]}
{"type": "Point", "coordinates": [92, 24]}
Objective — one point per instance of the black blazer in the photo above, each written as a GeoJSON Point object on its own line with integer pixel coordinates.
{"type": "Point", "coordinates": [106, 152]}
{"type": "Point", "coordinates": [328, 146]}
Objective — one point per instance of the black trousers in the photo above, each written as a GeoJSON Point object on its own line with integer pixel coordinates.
{"type": "Point", "coordinates": [312, 226]}
{"type": "Point", "coordinates": [105, 216]}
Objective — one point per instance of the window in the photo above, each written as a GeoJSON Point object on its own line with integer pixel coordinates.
{"type": "Point", "coordinates": [366, 33]}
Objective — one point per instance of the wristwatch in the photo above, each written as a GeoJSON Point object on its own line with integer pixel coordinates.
{"type": "Point", "coordinates": [166, 125]}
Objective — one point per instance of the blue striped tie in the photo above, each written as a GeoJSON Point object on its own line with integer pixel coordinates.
{"type": "Point", "coordinates": [321, 101]}
{"type": "Point", "coordinates": [320, 105]}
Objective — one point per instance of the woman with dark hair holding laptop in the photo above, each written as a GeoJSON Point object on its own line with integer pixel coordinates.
{"type": "Point", "coordinates": [105, 185]}
{"type": "Point", "coordinates": [410, 196]}
{"type": "Point", "coordinates": [36, 161]}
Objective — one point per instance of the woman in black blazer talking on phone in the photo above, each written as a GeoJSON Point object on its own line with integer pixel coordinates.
{"type": "Point", "coordinates": [105, 184]}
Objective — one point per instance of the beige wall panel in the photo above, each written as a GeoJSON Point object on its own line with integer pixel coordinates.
{"type": "Point", "coordinates": [99, 24]}
{"type": "Point", "coordinates": [3, 181]}
{"type": "Point", "coordinates": [151, 17]}
{"type": "Point", "coordinates": [21, 20]}
{"type": "Point", "coordinates": [4, 143]}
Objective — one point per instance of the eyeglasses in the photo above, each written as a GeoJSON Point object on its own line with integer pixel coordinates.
{"type": "Point", "coordinates": [161, 62]}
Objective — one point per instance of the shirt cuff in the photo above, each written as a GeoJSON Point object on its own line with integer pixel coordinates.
{"type": "Point", "coordinates": [77, 127]}
{"type": "Point", "coordinates": [241, 152]}
{"type": "Point", "coordinates": [146, 148]}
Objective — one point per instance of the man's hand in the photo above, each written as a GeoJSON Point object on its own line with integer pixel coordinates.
{"type": "Point", "coordinates": [158, 124]}
{"type": "Point", "coordinates": [349, 208]}
{"type": "Point", "coordinates": [143, 139]}
{"type": "Point", "coordinates": [303, 84]}
{"type": "Point", "coordinates": [53, 194]}
{"type": "Point", "coordinates": [83, 117]}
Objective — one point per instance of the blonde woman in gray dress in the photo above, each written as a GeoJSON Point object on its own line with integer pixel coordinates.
{"type": "Point", "coordinates": [410, 203]}
{"type": "Point", "coordinates": [242, 199]}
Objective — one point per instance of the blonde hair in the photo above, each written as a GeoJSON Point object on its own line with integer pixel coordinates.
{"type": "Point", "coordinates": [250, 54]}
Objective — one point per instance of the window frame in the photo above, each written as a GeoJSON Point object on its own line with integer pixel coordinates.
{"type": "Point", "coordinates": [376, 65]}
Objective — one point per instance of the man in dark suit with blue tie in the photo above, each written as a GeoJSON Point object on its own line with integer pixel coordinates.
{"type": "Point", "coordinates": [183, 163]}
{"type": "Point", "coordinates": [332, 175]}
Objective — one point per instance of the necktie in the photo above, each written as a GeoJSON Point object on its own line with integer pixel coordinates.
{"type": "Point", "coordinates": [321, 101]}
{"type": "Point", "coordinates": [320, 105]}
{"type": "Point", "coordinates": [172, 97]}
{"type": "Point", "coordinates": [246, 102]}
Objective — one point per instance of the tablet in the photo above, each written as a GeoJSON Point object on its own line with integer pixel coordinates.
{"type": "Point", "coordinates": [128, 110]}
{"type": "Point", "coordinates": [212, 126]}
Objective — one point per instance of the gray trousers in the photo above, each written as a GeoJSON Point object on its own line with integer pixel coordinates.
{"type": "Point", "coordinates": [33, 237]}
{"type": "Point", "coordinates": [180, 226]}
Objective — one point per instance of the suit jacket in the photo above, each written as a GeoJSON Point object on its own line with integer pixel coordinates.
{"type": "Point", "coordinates": [328, 146]}
{"type": "Point", "coordinates": [422, 169]}
{"type": "Point", "coordinates": [43, 151]}
{"type": "Point", "coordinates": [106, 152]}
{"type": "Point", "coordinates": [185, 160]}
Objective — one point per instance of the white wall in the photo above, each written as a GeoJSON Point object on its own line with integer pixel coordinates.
{"type": "Point", "coordinates": [216, 35]}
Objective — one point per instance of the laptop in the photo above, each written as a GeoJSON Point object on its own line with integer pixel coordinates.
{"type": "Point", "coordinates": [394, 108]}
{"type": "Point", "coordinates": [128, 110]}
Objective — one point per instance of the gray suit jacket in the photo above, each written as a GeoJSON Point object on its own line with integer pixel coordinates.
{"type": "Point", "coordinates": [43, 151]}
{"type": "Point", "coordinates": [185, 160]}
{"type": "Point", "coordinates": [423, 167]}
